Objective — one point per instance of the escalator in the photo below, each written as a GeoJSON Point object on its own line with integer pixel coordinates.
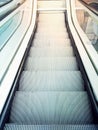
{"type": "Point", "coordinates": [52, 93]}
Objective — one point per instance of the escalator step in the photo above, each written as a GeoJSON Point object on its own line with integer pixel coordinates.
{"type": "Point", "coordinates": [51, 63]}
{"type": "Point", "coordinates": [51, 43]}
{"type": "Point", "coordinates": [51, 108]}
{"type": "Point", "coordinates": [51, 4]}
{"type": "Point", "coordinates": [54, 29]}
{"type": "Point", "coordinates": [52, 34]}
{"type": "Point", "coordinates": [49, 14]}
{"type": "Point", "coordinates": [47, 36]}
{"type": "Point", "coordinates": [51, 17]}
{"type": "Point", "coordinates": [51, 52]}
{"type": "Point", "coordinates": [50, 31]}
{"type": "Point", "coordinates": [50, 127]}
{"type": "Point", "coordinates": [50, 37]}
{"type": "Point", "coordinates": [51, 81]}
{"type": "Point", "coordinates": [51, 24]}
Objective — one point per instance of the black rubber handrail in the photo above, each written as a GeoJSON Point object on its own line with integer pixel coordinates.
{"type": "Point", "coordinates": [94, 10]}
{"type": "Point", "coordinates": [5, 3]}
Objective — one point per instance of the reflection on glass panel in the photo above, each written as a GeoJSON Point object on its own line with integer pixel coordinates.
{"type": "Point", "coordinates": [8, 29]}
{"type": "Point", "coordinates": [88, 24]}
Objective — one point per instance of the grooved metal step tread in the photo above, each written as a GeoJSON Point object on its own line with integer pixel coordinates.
{"type": "Point", "coordinates": [54, 15]}
{"type": "Point", "coordinates": [47, 19]}
{"type": "Point", "coordinates": [41, 37]}
{"type": "Point", "coordinates": [51, 81]}
{"type": "Point", "coordinates": [51, 10]}
{"type": "Point", "coordinates": [51, 52]}
{"type": "Point", "coordinates": [51, 4]}
{"type": "Point", "coordinates": [51, 108]}
{"type": "Point", "coordinates": [52, 25]}
{"type": "Point", "coordinates": [50, 21]}
{"type": "Point", "coordinates": [53, 63]}
{"type": "Point", "coordinates": [50, 127]}
{"type": "Point", "coordinates": [51, 42]}
{"type": "Point", "coordinates": [51, 16]}
{"type": "Point", "coordinates": [52, 29]}
{"type": "Point", "coordinates": [55, 34]}
{"type": "Point", "coordinates": [50, 36]}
